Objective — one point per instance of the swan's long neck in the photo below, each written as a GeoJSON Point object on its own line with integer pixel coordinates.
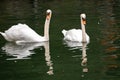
{"type": "Point", "coordinates": [47, 23]}
{"type": "Point", "coordinates": [83, 31]}
{"type": "Point", "coordinates": [46, 29]}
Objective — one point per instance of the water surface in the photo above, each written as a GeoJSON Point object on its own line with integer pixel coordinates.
{"type": "Point", "coordinates": [57, 59]}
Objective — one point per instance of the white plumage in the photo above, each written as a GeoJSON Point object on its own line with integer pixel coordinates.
{"type": "Point", "coordinates": [74, 35]}
{"type": "Point", "coordinates": [77, 35]}
{"type": "Point", "coordinates": [23, 33]}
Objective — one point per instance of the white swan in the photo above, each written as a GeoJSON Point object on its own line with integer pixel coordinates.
{"type": "Point", "coordinates": [23, 33]}
{"type": "Point", "coordinates": [77, 35]}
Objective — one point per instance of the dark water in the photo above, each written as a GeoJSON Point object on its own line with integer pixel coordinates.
{"type": "Point", "coordinates": [57, 60]}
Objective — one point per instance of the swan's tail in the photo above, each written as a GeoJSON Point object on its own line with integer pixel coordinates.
{"type": "Point", "coordinates": [64, 32]}
{"type": "Point", "coordinates": [1, 33]}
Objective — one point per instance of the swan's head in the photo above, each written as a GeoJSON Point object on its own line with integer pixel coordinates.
{"type": "Point", "coordinates": [48, 14]}
{"type": "Point", "coordinates": [83, 17]}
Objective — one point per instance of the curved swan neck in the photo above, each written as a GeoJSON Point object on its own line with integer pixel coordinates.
{"type": "Point", "coordinates": [46, 27]}
{"type": "Point", "coordinates": [83, 31]}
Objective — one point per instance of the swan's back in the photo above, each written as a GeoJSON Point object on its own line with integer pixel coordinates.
{"type": "Point", "coordinates": [22, 32]}
{"type": "Point", "coordinates": [74, 35]}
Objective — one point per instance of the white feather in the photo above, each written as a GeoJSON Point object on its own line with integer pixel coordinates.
{"type": "Point", "coordinates": [23, 33]}
{"type": "Point", "coordinates": [77, 35]}
{"type": "Point", "coordinates": [74, 35]}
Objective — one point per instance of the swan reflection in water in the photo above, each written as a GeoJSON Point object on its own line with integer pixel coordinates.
{"type": "Point", "coordinates": [84, 59]}
{"type": "Point", "coordinates": [24, 50]}
{"type": "Point", "coordinates": [83, 48]}
{"type": "Point", "coordinates": [20, 51]}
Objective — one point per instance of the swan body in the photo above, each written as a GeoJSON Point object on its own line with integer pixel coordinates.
{"type": "Point", "coordinates": [23, 33]}
{"type": "Point", "coordinates": [77, 35]}
{"type": "Point", "coordinates": [74, 35]}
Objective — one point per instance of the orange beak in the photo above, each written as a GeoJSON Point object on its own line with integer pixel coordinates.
{"type": "Point", "coordinates": [84, 21]}
{"type": "Point", "coordinates": [48, 16]}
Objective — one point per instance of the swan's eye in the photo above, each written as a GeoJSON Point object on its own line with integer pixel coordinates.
{"type": "Point", "coordinates": [47, 13]}
{"type": "Point", "coordinates": [84, 21]}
